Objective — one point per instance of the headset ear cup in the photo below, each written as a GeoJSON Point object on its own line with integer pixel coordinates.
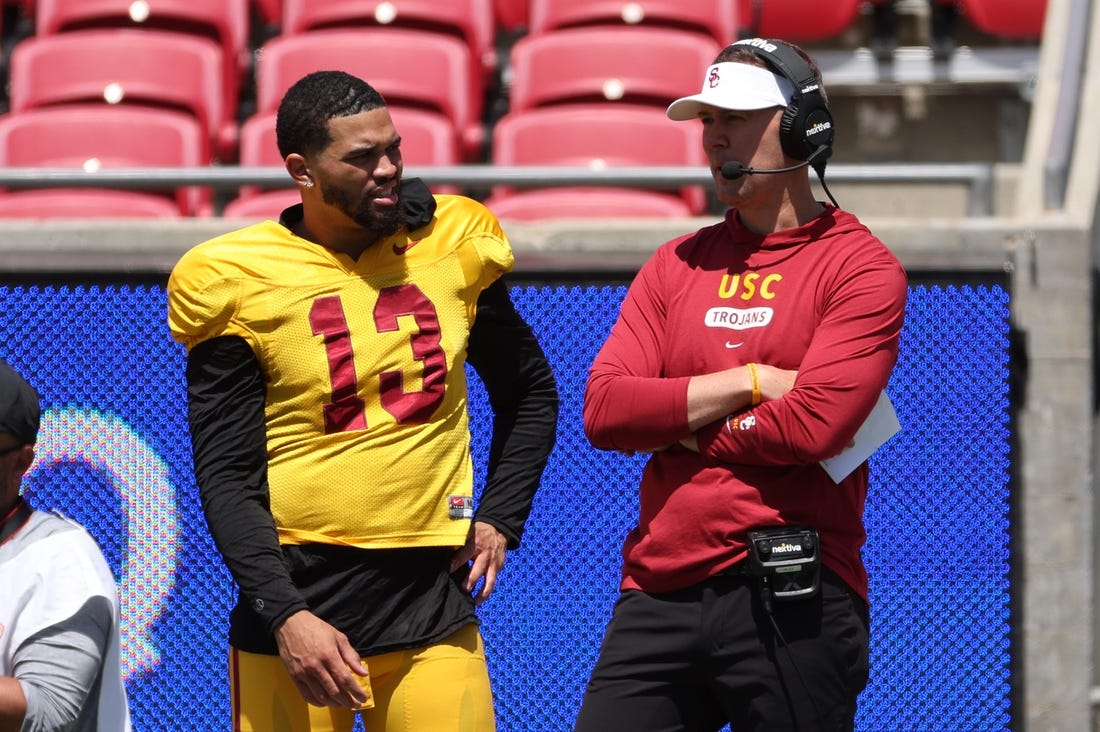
{"type": "Point", "coordinates": [817, 130]}
{"type": "Point", "coordinates": [805, 126]}
{"type": "Point", "coordinates": [791, 132]}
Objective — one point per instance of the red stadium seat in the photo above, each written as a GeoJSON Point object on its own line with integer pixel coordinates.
{"type": "Point", "coordinates": [1015, 19]}
{"type": "Point", "coordinates": [410, 68]}
{"type": "Point", "coordinates": [797, 20]}
{"type": "Point", "coordinates": [259, 149]}
{"type": "Point", "coordinates": [126, 66]}
{"type": "Point", "coordinates": [266, 205]}
{"type": "Point", "coordinates": [85, 203]}
{"type": "Point", "coordinates": [269, 11]}
{"type": "Point", "coordinates": [92, 137]}
{"type": "Point", "coordinates": [717, 18]}
{"type": "Point", "coordinates": [585, 203]}
{"type": "Point", "coordinates": [608, 64]}
{"type": "Point", "coordinates": [258, 146]}
{"type": "Point", "coordinates": [471, 20]}
{"type": "Point", "coordinates": [599, 136]}
{"type": "Point", "coordinates": [226, 21]}
{"type": "Point", "coordinates": [512, 16]}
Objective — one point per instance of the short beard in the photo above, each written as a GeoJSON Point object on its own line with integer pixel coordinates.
{"type": "Point", "coordinates": [385, 223]}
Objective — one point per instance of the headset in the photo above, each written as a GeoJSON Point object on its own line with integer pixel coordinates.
{"type": "Point", "coordinates": [806, 129]}
{"type": "Point", "coordinates": [807, 125]}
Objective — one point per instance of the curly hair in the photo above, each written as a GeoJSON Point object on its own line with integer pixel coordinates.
{"type": "Point", "coordinates": [301, 124]}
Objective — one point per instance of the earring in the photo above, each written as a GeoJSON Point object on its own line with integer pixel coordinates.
{"type": "Point", "coordinates": [308, 184]}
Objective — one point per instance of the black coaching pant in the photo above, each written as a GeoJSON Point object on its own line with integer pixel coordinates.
{"type": "Point", "coordinates": [697, 659]}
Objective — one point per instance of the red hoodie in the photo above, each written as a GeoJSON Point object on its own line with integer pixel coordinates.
{"type": "Point", "coordinates": [827, 299]}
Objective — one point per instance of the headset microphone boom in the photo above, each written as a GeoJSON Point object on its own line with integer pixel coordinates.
{"type": "Point", "coordinates": [732, 169]}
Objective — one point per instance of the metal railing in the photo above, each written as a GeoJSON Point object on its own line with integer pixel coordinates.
{"type": "Point", "coordinates": [978, 177]}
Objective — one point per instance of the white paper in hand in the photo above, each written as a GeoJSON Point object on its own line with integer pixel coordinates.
{"type": "Point", "coordinates": [881, 424]}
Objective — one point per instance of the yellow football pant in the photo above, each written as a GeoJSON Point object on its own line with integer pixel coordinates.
{"type": "Point", "coordinates": [439, 688]}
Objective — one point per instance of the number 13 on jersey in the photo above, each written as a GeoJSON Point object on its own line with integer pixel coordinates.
{"type": "Point", "coordinates": [346, 410]}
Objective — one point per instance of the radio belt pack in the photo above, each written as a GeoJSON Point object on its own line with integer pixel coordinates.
{"type": "Point", "coordinates": [786, 560]}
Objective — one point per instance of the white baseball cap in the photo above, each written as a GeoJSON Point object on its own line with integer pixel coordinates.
{"type": "Point", "coordinates": [733, 85]}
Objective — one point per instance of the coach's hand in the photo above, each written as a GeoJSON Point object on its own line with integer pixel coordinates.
{"type": "Point", "coordinates": [321, 661]}
{"type": "Point", "coordinates": [486, 546]}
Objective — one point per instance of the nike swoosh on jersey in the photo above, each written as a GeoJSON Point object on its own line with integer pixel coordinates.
{"type": "Point", "coordinates": [402, 248]}
{"type": "Point", "coordinates": [734, 345]}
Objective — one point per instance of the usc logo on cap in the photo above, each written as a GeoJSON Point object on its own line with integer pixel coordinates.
{"type": "Point", "coordinates": [713, 78]}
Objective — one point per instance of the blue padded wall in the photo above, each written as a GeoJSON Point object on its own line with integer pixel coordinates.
{"type": "Point", "coordinates": [115, 455]}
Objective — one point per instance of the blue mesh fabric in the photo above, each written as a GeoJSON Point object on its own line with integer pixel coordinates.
{"type": "Point", "coordinates": [118, 459]}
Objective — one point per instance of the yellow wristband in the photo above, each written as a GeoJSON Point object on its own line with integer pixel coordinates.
{"type": "Point", "coordinates": [755, 384]}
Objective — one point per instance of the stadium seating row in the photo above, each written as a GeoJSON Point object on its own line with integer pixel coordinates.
{"type": "Point", "coordinates": [94, 137]}
{"type": "Point", "coordinates": [480, 22]}
{"type": "Point", "coordinates": [108, 67]}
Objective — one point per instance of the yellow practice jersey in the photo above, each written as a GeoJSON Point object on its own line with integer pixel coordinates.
{"type": "Point", "coordinates": [367, 430]}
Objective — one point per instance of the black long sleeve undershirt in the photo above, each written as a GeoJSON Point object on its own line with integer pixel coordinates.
{"type": "Point", "coordinates": [226, 412]}
{"type": "Point", "coordinates": [226, 392]}
{"type": "Point", "coordinates": [524, 398]}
